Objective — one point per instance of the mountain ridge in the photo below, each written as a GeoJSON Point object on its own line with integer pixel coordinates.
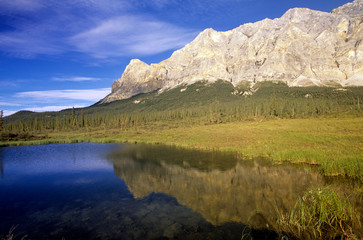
{"type": "Point", "coordinates": [304, 47]}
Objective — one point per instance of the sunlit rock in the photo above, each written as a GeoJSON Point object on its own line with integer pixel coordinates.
{"type": "Point", "coordinates": [302, 48]}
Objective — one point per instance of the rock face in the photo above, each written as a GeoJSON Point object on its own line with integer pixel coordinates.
{"type": "Point", "coordinates": [302, 48]}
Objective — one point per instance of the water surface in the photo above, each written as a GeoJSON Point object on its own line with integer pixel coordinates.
{"type": "Point", "coordinates": [110, 191]}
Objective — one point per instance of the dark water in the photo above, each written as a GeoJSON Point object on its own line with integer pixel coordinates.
{"type": "Point", "coordinates": [109, 191]}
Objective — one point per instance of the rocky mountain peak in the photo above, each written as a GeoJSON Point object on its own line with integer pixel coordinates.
{"type": "Point", "coordinates": [302, 48]}
{"type": "Point", "coordinates": [353, 9]}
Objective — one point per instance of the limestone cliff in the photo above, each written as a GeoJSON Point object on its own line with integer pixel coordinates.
{"type": "Point", "coordinates": [304, 47]}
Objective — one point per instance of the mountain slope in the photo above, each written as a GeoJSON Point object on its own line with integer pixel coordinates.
{"type": "Point", "coordinates": [201, 96]}
{"type": "Point", "coordinates": [302, 48]}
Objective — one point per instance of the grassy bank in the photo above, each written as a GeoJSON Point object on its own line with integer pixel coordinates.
{"type": "Point", "coordinates": [321, 214]}
{"type": "Point", "coordinates": [335, 144]}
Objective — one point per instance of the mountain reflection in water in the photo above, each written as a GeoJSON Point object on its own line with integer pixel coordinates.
{"type": "Point", "coordinates": [70, 191]}
{"type": "Point", "coordinates": [215, 184]}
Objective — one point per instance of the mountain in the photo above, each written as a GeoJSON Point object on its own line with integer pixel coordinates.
{"type": "Point", "coordinates": [302, 48]}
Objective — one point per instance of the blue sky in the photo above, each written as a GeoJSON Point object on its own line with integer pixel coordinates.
{"type": "Point", "coordinates": [55, 54]}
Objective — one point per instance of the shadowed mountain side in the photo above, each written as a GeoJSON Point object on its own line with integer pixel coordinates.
{"type": "Point", "coordinates": [248, 192]}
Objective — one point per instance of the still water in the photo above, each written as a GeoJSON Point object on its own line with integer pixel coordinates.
{"type": "Point", "coordinates": [119, 191]}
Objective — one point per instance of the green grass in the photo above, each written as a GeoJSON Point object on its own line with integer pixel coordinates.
{"type": "Point", "coordinates": [334, 144]}
{"type": "Point", "coordinates": [320, 214]}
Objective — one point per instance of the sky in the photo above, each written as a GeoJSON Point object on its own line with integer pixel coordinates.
{"type": "Point", "coordinates": [57, 54]}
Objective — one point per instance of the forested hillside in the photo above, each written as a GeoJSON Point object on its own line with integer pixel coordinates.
{"type": "Point", "coordinates": [200, 103]}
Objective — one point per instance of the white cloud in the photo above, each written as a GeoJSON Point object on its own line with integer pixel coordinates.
{"type": "Point", "coordinates": [75, 79]}
{"type": "Point", "coordinates": [131, 35]}
{"type": "Point", "coordinates": [42, 109]}
{"type": "Point", "coordinates": [52, 100]}
{"type": "Point", "coordinates": [51, 108]}
{"type": "Point", "coordinates": [41, 27]}
{"type": "Point", "coordinates": [103, 29]}
{"type": "Point", "coordinates": [9, 104]}
{"type": "Point", "coordinates": [8, 113]}
{"type": "Point", "coordinates": [52, 95]}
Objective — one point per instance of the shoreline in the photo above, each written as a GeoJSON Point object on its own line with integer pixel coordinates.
{"type": "Point", "coordinates": [334, 145]}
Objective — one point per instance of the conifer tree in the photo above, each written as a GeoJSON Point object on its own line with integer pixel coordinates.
{"type": "Point", "coordinates": [1, 121]}
{"type": "Point", "coordinates": [57, 124]}
{"type": "Point", "coordinates": [82, 119]}
{"type": "Point", "coordinates": [358, 104]}
{"type": "Point", "coordinates": [273, 109]}
{"type": "Point", "coordinates": [74, 119]}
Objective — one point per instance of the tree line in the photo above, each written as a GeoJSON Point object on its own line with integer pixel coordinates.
{"type": "Point", "coordinates": [216, 113]}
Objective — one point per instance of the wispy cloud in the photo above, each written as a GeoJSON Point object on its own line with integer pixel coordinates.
{"type": "Point", "coordinates": [7, 104]}
{"type": "Point", "coordinates": [51, 108]}
{"type": "Point", "coordinates": [130, 35]}
{"type": "Point", "coordinates": [7, 84]}
{"type": "Point", "coordinates": [52, 95]}
{"type": "Point", "coordinates": [190, 5]}
{"type": "Point", "coordinates": [23, 44]}
{"type": "Point", "coordinates": [75, 79]}
{"type": "Point", "coordinates": [42, 109]}
{"type": "Point", "coordinates": [159, 4]}
{"type": "Point", "coordinates": [8, 112]}
{"type": "Point", "coordinates": [104, 29]}
{"type": "Point", "coordinates": [20, 5]}
{"type": "Point", "coordinates": [101, 29]}
{"type": "Point", "coordinates": [42, 27]}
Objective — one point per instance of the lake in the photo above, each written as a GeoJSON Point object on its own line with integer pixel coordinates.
{"type": "Point", "coordinates": [121, 191]}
